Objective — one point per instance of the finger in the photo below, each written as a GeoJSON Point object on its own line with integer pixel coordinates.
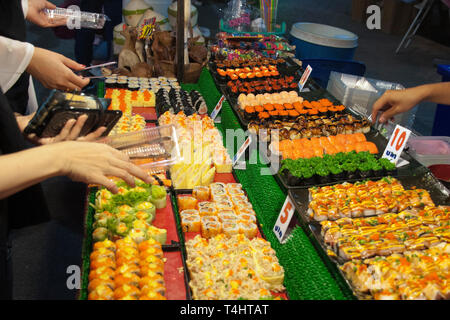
{"type": "Point", "coordinates": [65, 131]}
{"type": "Point", "coordinates": [75, 132]}
{"type": "Point", "coordinates": [93, 135]}
{"type": "Point", "coordinates": [388, 114]}
{"type": "Point", "coordinates": [104, 181]}
{"type": "Point", "coordinates": [378, 105]}
{"type": "Point", "coordinates": [49, 5]}
{"type": "Point", "coordinates": [122, 174]}
{"type": "Point", "coordinates": [78, 81]}
{"type": "Point", "coordinates": [72, 64]}
{"type": "Point", "coordinates": [134, 170]}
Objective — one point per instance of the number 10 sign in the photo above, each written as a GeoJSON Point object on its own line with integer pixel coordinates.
{"type": "Point", "coordinates": [396, 144]}
{"type": "Point", "coordinates": [284, 219]}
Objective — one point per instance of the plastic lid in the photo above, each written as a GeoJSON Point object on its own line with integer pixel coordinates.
{"type": "Point", "coordinates": [324, 35]}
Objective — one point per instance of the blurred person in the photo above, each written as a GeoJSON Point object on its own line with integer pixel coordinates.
{"type": "Point", "coordinates": [84, 38]}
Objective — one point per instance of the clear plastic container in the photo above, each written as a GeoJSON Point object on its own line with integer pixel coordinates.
{"type": "Point", "coordinates": [360, 93]}
{"type": "Point", "coordinates": [77, 19]}
{"type": "Point", "coordinates": [430, 150]}
{"type": "Point", "coordinates": [151, 148]}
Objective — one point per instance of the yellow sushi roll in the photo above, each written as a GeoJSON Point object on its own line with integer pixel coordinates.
{"type": "Point", "coordinates": [191, 223]}
{"type": "Point", "coordinates": [249, 229]}
{"type": "Point", "coordinates": [211, 229]}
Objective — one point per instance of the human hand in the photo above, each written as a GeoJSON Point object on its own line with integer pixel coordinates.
{"type": "Point", "coordinates": [91, 162]}
{"type": "Point", "coordinates": [36, 14]}
{"type": "Point", "coordinates": [70, 132]}
{"type": "Point", "coordinates": [393, 102]}
{"type": "Point", "coordinates": [53, 70]}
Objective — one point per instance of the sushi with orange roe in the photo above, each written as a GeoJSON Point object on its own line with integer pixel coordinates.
{"type": "Point", "coordinates": [268, 107]}
{"type": "Point", "coordinates": [250, 113]}
{"type": "Point", "coordinates": [288, 106]}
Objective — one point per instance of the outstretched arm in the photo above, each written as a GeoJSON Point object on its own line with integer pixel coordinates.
{"type": "Point", "coordinates": [393, 102]}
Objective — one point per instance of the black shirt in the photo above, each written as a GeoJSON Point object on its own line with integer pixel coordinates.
{"type": "Point", "coordinates": [21, 209]}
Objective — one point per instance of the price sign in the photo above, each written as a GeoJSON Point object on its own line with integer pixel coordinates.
{"type": "Point", "coordinates": [217, 108]}
{"type": "Point", "coordinates": [304, 78]}
{"type": "Point", "coordinates": [284, 218]}
{"type": "Point", "coordinates": [396, 144]}
{"type": "Point", "coordinates": [242, 150]}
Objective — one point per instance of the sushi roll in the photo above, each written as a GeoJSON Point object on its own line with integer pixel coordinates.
{"type": "Point", "coordinates": [105, 244]}
{"type": "Point", "coordinates": [102, 292]}
{"type": "Point", "coordinates": [227, 216]}
{"type": "Point", "coordinates": [103, 262]}
{"type": "Point", "coordinates": [100, 234]}
{"type": "Point", "coordinates": [152, 251]}
{"type": "Point", "coordinates": [153, 287]}
{"type": "Point", "coordinates": [247, 217]}
{"type": "Point", "coordinates": [217, 186]}
{"type": "Point", "coordinates": [189, 212]}
{"type": "Point", "coordinates": [208, 210]}
{"type": "Point", "coordinates": [102, 272]}
{"type": "Point", "coordinates": [110, 83]}
{"type": "Point", "coordinates": [233, 186]}
{"type": "Point", "coordinates": [95, 283]}
{"type": "Point", "coordinates": [234, 192]}
{"type": "Point", "coordinates": [201, 193]}
{"type": "Point", "coordinates": [207, 218]}
{"type": "Point", "coordinates": [102, 253]}
{"type": "Point", "coordinates": [126, 292]}
{"type": "Point", "coordinates": [217, 193]}
{"type": "Point", "coordinates": [152, 296]}
{"type": "Point", "coordinates": [187, 202]}
{"type": "Point", "coordinates": [246, 210]}
{"type": "Point", "coordinates": [230, 228]}
{"type": "Point", "coordinates": [190, 223]}
{"type": "Point", "coordinates": [237, 198]}
{"type": "Point", "coordinates": [249, 229]}
{"type": "Point", "coordinates": [224, 205]}
{"type": "Point", "coordinates": [129, 279]}
{"type": "Point", "coordinates": [211, 229]}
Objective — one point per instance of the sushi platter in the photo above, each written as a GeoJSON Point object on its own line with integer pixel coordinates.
{"type": "Point", "coordinates": [372, 231]}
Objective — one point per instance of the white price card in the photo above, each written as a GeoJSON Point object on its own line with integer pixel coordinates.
{"type": "Point", "coordinates": [396, 144]}
{"type": "Point", "coordinates": [217, 108]}
{"type": "Point", "coordinates": [242, 150]}
{"type": "Point", "coordinates": [304, 78]}
{"type": "Point", "coordinates": [284, 219]}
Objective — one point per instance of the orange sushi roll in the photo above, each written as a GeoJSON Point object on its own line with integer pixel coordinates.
{"type": "Point", "coordinates": [108, 244]}
{"type": "Point", "coordinates": [359, 137]}
{"type": "Point", "coordinates": [100, 282]}
{"type": "Point", "coordinates": [318, 152]}
{"type": "Point", "coordinates": [152, 296]}
{"type": "Point", "coordinates": [315, 104]}
{"type": "Point", "coordinates": [187, 202]}
{"type": "Point", "coordinates": [102, 253]}
{"type": "Point", "coordinates": [201, 193]}
{"type": "Point", "coordinates": [102, 292]}
{"type": "Point", "coordinates": [123, 269]}
{"type": "Point", "coordinates": [154, 251]}
{"type": "Point", "coordinates": [190, 223]}
{"type": "Point", "coordinates": [150, 243]}
{"type": "Point", "coordinates": [211, 229]}
{"type": "Point", "coordinates": [127, 251]}
{"type": "Point", "coordinates": [157, 268]}
{"type": "Point", "coordinates": [103, 262]}
{"type": "Point", "coordinates": [102, 272]}
{"type": "Point", "coordinates": [325, 102]}
{"type": "Point", "coordinates": [371, 147]}
{"type": "Point", "coordinates": [126, 242]}
{"type": "Point", "coordinates": [268, 107]}
{"type": "Point", "coordinates": [279, 107]}
{"type": "Point", "coordinates": [151, 278]}
{"type": "Point", "coordinates": [127, 260]}
{"type": "Point", "coordinates": [249, 229]}
{"type": "Point", "coordinates": [152, 287]}
{"type": "Point", "coordinates": [307, 104]}
{"type": "Point", "coordinates": [126, 291]}
{"type": "Point", "coordinates": [130, 279]}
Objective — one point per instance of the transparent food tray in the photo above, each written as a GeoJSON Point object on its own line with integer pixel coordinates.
{"type": "Point", "coordinates": [151, 148]}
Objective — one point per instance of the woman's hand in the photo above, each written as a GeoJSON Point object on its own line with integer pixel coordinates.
{"type": "Point", "coordinates": [71, 131]}
{"type": "Point", "coordinates": [393, 102]}
{"type": "Point", "coordinates": [54, 71]}
{"type": "Point", "coordinates": [90, 162]}
{"type": "Point", "coordinates": [36, 14]}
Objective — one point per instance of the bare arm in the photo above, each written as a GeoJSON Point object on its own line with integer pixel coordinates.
{"type": "Point", "coordinates": [81, 161]}
{"type": "Point", "coordinates": [394, 102]}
